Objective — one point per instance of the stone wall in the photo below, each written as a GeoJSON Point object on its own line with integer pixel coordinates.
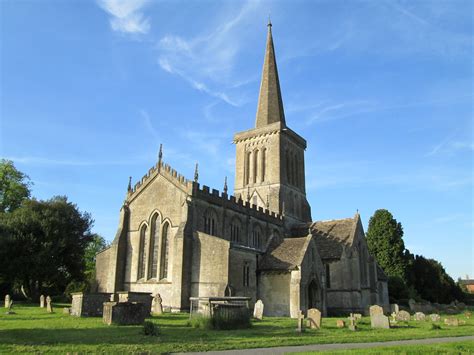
{"type": "Point", "coordinates": [274, 291]}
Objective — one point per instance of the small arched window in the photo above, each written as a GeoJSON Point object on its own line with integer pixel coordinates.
{"type": "Point", "coordinates": [210, 222]}
{"type": "Point", "coordinates": [256, 237]}
{"type": "Point", "coordinates": [255, 166]}
{"type": "Point", "coordinates": [248, 158]}
{"type": "Point", "coordinates": [235, 230]}
{"type": "Point", "coordinates": [263, 169]}
{"type": "Point", "coordinates": [165, 244]}
{"type": "Point", "coordinates": [142, 253]}
{"type": "Point", "coordinates": [246, 275]}
{"type": "Point", "coordinates": [154, 246]}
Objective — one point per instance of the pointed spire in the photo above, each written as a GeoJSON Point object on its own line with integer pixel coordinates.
{"type": "Point", "coordinates": [196, 173]}
{"type": "Point", "coordinates": [160, 157]}
{"type": "Point", "coordinates": [270, 103]}
{"type": "Point", "coordinates": [129, 188]}
{"type": "Point", "coordinates": [225, 185]}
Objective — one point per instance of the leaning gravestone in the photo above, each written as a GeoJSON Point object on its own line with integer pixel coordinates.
{"type": "Point", "coordinates": [375, 309]}
{"type": "Point", "coordinates": [157, 305]}
{"type": "Point", "coordinates": [258, 310]}
{"type": "Point", "coordinates": [340, 323]}
{"type": "Point", "coordinates": [435, 317]}
{"type": "Point", "coordinates": [314, 318]}
{"type": "Point", "coordinates": [379, 321]}
{"type": "Point", "coordinates": [49, 305]}
{"type": "Point", "coordinates": [42, 301]}
{"type": "Point", "coordinates": [394, 308]}
{"type": "Point", "coordinates": [403, 316]}
{"type": "Point", "coordinates": [9, 309]}
{"type": "Point", "coordinates": [7, 301]}
{"type": "Point", "coordinates": [420, 316]}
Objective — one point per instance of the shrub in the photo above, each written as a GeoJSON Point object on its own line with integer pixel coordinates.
{"type": "Point", "coordinates": [149, 328]}
{"type": "Point", "coordinates": [435, 326]}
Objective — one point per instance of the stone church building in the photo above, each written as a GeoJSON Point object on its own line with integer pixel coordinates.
{"type": "Point", "coordinates": [182, 240]}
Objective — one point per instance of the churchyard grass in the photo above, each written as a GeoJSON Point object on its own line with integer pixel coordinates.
{"type": "Point", "coordinates": [32, 329]}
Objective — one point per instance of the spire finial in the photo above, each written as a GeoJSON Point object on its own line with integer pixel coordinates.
{"type": "Point", "coordinates": [196, 173]}
{"type": "Point", "coordinates": [269, 21]}
{"type": "Point", "coordinates": [225, 185]}
{"type": "Point", "coordinates": [160, 157]}
{"type": "Point", "coordinates": [129, 188]}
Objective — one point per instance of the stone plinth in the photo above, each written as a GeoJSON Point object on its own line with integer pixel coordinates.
{"type": "Point", "coordinates": [125, 313]}
{"type": "Point", "coordinates": [88, 304]}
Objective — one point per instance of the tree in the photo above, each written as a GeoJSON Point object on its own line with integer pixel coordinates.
{"type": "Point", "coordinates": [42, 245]}
{"type": "Point", "coordinates": [96, 244]}
{"type": "Point", "coordinates": [385, 241]}
{"type": "Point", "coordinates": [14, 186]}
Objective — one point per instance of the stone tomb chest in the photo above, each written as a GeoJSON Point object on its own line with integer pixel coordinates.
{"type": "Point", "coordinates": [125, 313]}
{"type": "Point", "coordinates": [88, 304]}
{"type": "Point", "coordinates": [138, 297]}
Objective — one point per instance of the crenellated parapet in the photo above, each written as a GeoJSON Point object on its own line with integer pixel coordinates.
{"type": "Point", "coordinates": [224, 200]}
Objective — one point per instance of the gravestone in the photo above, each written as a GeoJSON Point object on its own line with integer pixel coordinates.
{"type": "Point", "coordinates": [340, 323]}
{"type": "Point", "coordinates": [419, 316]}
{"type": "Point", "coordinates": [375, 309]}
{"type": "Point", "coordinates": [9, 308]}
{"type": "Point", "coordinates": [435, 317]}
{"type": "Point", "coordinates": [300, 325]}
{"type": "Point", "coordinates": [394, 318]}
{"type": "Point", "coordinates": [125, 313]}
{"type": "Point", "coordinates": [467, 314]}
{"type": "Point", "coordinates": [352, 323]}
{"type": "Point", "coordinates": [258, 310]}
{"type": "Point", "coordinates": [357, 316]}
{"type": "Point", "coordinates": [412, 304]}
{"type": "Point", "coordinates": [379, 321]}
{"type": "Point", "coordinates": [403, 316]}
{"type": "Point", "coordinates": [7, 301]}
{"type": "Point", "coordinates": [157, 305]}
{"type": "Point", "coordinates": [49, 305]}
{"type": "Point", "coordinates": [451, 321]}
{"type": "Point", "coordinates": [394, 308]}
{"type": "Point", "coordinates": [314, 318]}
{"type": "Point", "coordinates": [42, 301]}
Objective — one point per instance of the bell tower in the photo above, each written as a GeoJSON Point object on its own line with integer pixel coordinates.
{"type": "Point", "coordinates": [269, 167]}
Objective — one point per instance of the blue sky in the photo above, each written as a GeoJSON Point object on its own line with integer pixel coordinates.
{"type": "Point", "coordinates": [381, 90]}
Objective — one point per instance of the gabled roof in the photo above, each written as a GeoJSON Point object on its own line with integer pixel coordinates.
{"type": "Point", "coordinates": [270, 103]}
{"type": "Point", "coordinates": [331, 236]}
{"type": "Point", "coordinates": [284, 255]}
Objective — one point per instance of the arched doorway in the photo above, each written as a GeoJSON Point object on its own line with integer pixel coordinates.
{"type": "Point", "coordinates": [314, 300]}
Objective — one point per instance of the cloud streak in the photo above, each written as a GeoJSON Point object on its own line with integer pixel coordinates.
{"type": "Point", "coordinates": [126, 15]}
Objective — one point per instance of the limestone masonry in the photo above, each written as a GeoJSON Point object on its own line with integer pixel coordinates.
{"type": "Point", "coordinates": [182, 240]}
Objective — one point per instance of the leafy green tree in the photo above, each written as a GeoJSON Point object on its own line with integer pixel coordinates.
{"type": "Point", "coordinates": [42, 245]}
{"type": "Point", "coordinates": [96, 244]}
{"type": "Point", "coordinates": [14, 186]}
{"type": "Point", "coordinates": [385, 241]}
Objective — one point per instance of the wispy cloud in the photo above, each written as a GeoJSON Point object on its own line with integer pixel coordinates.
{"type": "Point", "coordinates": [449, 146]}
{"type": "Point", "coordinates": [334, 111]}
{"type": "Point", "coordinates": [207, 60]}
{"type": "Point", "coordinates": [149, 124]}
{"type": "Point", "coordinates": [127, 15]}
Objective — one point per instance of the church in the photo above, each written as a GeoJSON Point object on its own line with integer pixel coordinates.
{"type": "Point", "coordinates": [182, 239]}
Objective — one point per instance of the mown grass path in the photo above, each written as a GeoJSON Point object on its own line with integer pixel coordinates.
{"type": "Point", "coordinates": [31, 329]}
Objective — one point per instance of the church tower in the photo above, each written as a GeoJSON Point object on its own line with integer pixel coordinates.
{"type": "Point", "coordinates": [269, 167]}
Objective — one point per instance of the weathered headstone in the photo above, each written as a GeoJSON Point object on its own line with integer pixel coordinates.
{"type": "Point", "coordinates": [340, 323]}
{"type": "Point", "coordinates": [300, 325]}
{"type": "Point", "coordinates": [379, 321]}
{"type": "Point", "coordinates": [352, 323]}
{"type": "Point", "coordinates": [394, 318]}
{"type": "Point", "coordinates": [375, 309]}
{"type": "Point", "coordinates": [9, 308]}
{"type": "Point", "coordinates": [394, 308]}
{"type": "Point", "coordinates": [435, 317]}
{"type": "Point", "coordinates": [258, 310]}
{"type": "Point", "coordinates": [412, 304]}
{"type": "Point", "coordinates": [419, 316]}
{"type": "Point", "coordinates": [451, 321]}
{"type": "Point", "coordinates": [403, 316]}
{"type": "Point", "coordinates": [314, 318]}
{"type": "Point", "coordinates": [157, 305]}
{"type": "Point", "coordinates": [125, 313]}
{"type": "Point", "coordinates": [49, 305]}
{"type": "Point", "coordinates": [7, 301]}
{"type": "Point", "coordinates": [42, 301]}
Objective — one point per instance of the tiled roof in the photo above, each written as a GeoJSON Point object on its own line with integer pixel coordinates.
{"type": "Point", "coordinates": [284, 255]}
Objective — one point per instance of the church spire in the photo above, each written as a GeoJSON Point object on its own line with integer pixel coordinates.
{"type": "Point", "coordinates": [270, 104]}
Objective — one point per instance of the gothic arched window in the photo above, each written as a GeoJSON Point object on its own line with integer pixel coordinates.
{"type": "Point", "coordinates": [165, 245]}
{"type": "Point", "coordinates": [255, 166]}
{"type": "Point", "coordinates": [264, 157]}
{"type": "Point", "coordinates": [235, 230]}
{"type": "Point", "coordinates": [142, 253]}
{"type": "Point", "coordinates": [256, 237]}
{"type": "Point", "coordinates": [248, 157]}
{"type": "Point", "coordinates": [210, 222]}
{"type": "Point", "coordinates": [154, 246]}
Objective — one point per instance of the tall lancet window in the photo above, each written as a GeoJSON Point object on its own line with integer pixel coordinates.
{"type": "Point", "coordinates": [164, 252]}
{"type": "Point", "coordinates": [248, 158]}
{"type": "Point", "coordinates": [288, 167]}
{"type": "Point", "coordinates": [264, 157]}
{"type": "Point", "coordinates": [154, 246]}
{"type": "Point", "coordinates": [142, 253]}
{"type": "Point", "coordinates": [255, 166]}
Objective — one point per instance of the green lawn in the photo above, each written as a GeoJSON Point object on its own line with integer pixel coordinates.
{"type": "Point", "coordinates": [34, 330]}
